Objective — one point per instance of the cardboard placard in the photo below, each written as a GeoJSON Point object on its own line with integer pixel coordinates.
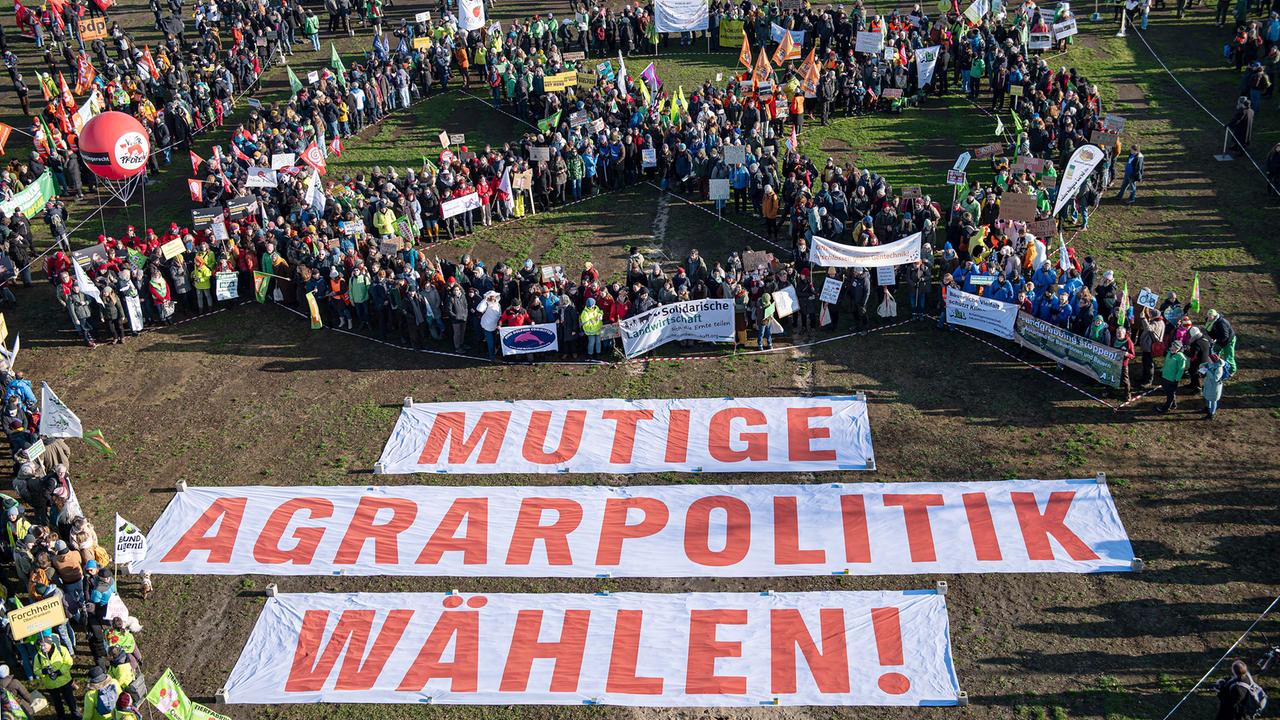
{"type": "Point", "coordinates": [1026, 162]}
{"type": "Point", "coordinates": [443, 137]}
{"type": "Point", "coordinates": [352, 228]}
{"type": "Point", "coordinates": [522, 180]}
{"type": "Point", "coordinates": [421, 43]}
{"type": "Point", "coordinates": [280, 161]}
{"type": "Point", "coordinates": [755, 260]}
{"type": "Point", "coordinates": [912, 192]}
{"type": "Point", "coordinates": [1113, 123]}
{"type": "Point", "coordinates": [35, 449]}
{"type": "Point", "coordinates": [389, 247]}
{"type": "Point", "coordinates": [1105, 140]}
{"type": "Point", "coordinates": [579, 118]}
{"type": "Point", "coordinates": [92, 28]}
{"type": "Point", "coordinates": [574, 56]}
{"type": "Point", "coordinates": [1017, 206]}
{"type": "Point", "coordinates": [1147, 298]}
{"type": "Point", "coordinates": [988, 151]}
{"type": "Point", "coordinates": [1043, 228]}
{"type": "Point", "coordinates": [831, 290]}
{"type": "Point", "coordinates": [891, 93]}
{"type": "Point", "coordinates": [735, 155]}
{"type": "Point", "coordinates": [1065, 29]}
{"type": "Point", "coordinates": [1015, 91]}
{"type": "Point", "coordinates": [586, 80]}
{"type": "Point", "coordinates": [422, 17]}
{"type": "Point", "coordinates": [226, 285]}
{"type": "Point", "coordinates": [648, 158]}
{"type": "Point", "coordinates": [36, 617]}
{"type": "Point", "coordinates": [869, 42]}
{"type": "Point", "coordinates": [457, 138]}
{"type": "Point", "coordinates": [172, 249]}
{"type": "Point", "coordinates": [719, 189]}
{"type": "Point", "coordinates": [1039, 41]}
{"type": "Point", "coordinates": [313, 77]}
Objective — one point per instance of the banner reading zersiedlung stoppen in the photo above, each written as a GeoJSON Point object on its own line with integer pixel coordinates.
{"type": "Point", "coordinates": [832, 254]}
{"type": "Point", "coordinates": [699, 649]}
{"type": "Point", "coordinates": [981, 313]}
{"type": "Point", "coordinates": [710, 320]}
{"type": "Point", "coordinates": [664, 531]}
{"type": "Point", "coordinates": [631, 436]}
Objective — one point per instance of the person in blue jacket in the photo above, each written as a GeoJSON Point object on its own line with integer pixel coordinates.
{"type": "Point", "coordinates": [1044, 277]}
{"type": "Point", "coordinates": [1001, 289]}
{"type": "Point", "coordinates": [1061, 313]}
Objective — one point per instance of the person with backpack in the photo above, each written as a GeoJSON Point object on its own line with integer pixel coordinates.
{"type": "Point", "coordinates": [1239, 697]}
{"type": "Point", "coordinates": [1133, 168]}
{"type": "Point", "coordinates": [100, 696]}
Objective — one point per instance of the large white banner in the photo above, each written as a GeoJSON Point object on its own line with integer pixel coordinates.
{"type": "Point", "coordinates": [681, 15]}
{"type": "Point", "coordinates": [643, 531]}
{"type": "Point", "coordinates": [457, 206]}
{"type": "Point", "coordinates": [1079, 167]}
{"type": "Point", "coordinates": [643, 649]}
{"type": "Point", "coordinates": [981, 313]}
{"type": "Point", "coordinates": [470, 16]}
{"type": "Point", "coordinates": [770, 434]}
{"type": "Point", "coordinates": [710, 320]}
{"type": "Point", "coordinates": [527, 339]}
{"type": "Point", "coordinates": [926, 60]}
{"type": "Point", "coordinates": [827, 253]}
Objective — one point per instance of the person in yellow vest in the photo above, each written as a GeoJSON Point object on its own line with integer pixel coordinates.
{"type": "Point", "coordinates": [100, 696]}
{"type": "Point", "coordinates": [125, 709]}
{"type": "Point", "coordinates": [384, 222]}
{"type": "Point", "coordinates": [202, 278]}
{"type": "Point", "coordinates": [124, 670]}
{"type": "Point", "coordinates": [592, 320]}
{"type": "Point", "coordinates": [52, 675]}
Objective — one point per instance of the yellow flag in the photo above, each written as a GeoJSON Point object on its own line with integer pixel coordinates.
{"type": "Point", "coordinates": [316, 322]}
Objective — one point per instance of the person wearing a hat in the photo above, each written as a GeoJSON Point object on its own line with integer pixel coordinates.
{"type": "Point", "coordinates": [52, 675]}
{"type": "Point", "coordinates": [125, 709]}
{"type": "Point", "coordinates": [1175, 366]}
{"type": "Point", "coordinates": [16, 691]}
{"type": "Point", "coordinates": [592, 321]}
{"type": "Point", "coordinates": [1224, 339]}
{"type": "Point", "coordinates": [126, 671]}
{"type": "Point", "coordinates": [100, 695]}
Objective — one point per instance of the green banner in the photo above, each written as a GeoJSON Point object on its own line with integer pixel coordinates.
{"type": "Point", "coordinates": [1077, 352]}
{"type": "Point", "coordinates": [33, 197]}
{"type": "Point", "coordinates": [730, 34]}
{"type": "Point", "coordinates": [167, 696]}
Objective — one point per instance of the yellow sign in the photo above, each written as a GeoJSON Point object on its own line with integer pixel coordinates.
{"type": "Point", "coordinates": [586, 80]}
{"type": "Point", "coordinates": [173, 249]}
{"type": "Point", "coordinates": [4, 329]}
{"type": "Point", "coordinates": [561, 81]}
{"type": "Point", "coordinates": [31, 619]}
{"type": "Point", "coordinates": [421, 43]}
{"type": "Point", "coordinates": [730, 33]}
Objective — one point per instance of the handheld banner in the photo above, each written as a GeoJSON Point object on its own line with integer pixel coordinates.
{"type": "Point", "coordinates": [1068, 526]}
{"type": "Point", "coordinates": [709, 320]}
{"type": "Point", "coordinates": [638, 649]}
{"type": "Point", "coordinates": [981, 313]}
{"type": "Point", "coordinates": [827, 253]}
{"type": "Point", "coordinates": [1079, 167]}
{"type": "Point", "coordinates": [528, 339]}
{"type": "Point", "coordinates": [680, 15]}
{"type": "Point", "coordinates": [131, 544]}
{"type": "Point", "coordinates": [1077, 352]}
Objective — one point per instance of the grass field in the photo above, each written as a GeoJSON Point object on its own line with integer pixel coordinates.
{"type": "Point", "coordinates": [251, 396]}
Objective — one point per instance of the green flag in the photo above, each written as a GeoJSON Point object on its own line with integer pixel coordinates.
{"type": "Point", "coordinates": [169, 698]}
{"type": "Point", "coordinates": [316, 321]}
{"type": "Point", "coordinates": [200, 712]}
{"type": "Point", "coordinates": [1195, 294]}
{"type": "Point", "coordinates": [550, 123]}
{"type": "Point", "coordinates": [653, 33]}
{"type": "Point", "coordinates": [261, 284]}
{"type": "Point", "coordinates": [99, 443]}
{"type": "Point", "coordinates": [1017, 122]}
{"type": "Point", "coordinates": [1124, 305]}
{"type": "Point", "coordinates": [335, 62]}
{"type": "Point", "coordinates": [295, 85]}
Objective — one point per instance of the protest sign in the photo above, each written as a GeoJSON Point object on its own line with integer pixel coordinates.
{"type": "Point", "coordinates": [981, 313]}
{"type": "Point", "coordinates": [1064, 526]}
{"type": "Point", "coordinates": [1104, 139]}
{"type": "Point", "coordinates": [1026, 162]}
{"type": "Point", "coordinates": [227, 285]}
{"type": "Point", "coordinates": [389, 247]}
{"type": "Point", "coordinates": [352, 228]}
{"type": "Point", "coordinates": [443, 139]}
{"type": "Point", "coordinates": [261, 177]}
{"type": "Point", "coordinates": [172, 249]}
{"type": "Point", "coordinates": [831, 290]}
{"type": "Point", "coordinates": [1039, 41]}
{"type": "Point", "coordinates": [579, 118]}
{"type": "Point", "coordinates": [527, 339]}
{"type": "Point", "coordinates": [1017, 206]}
{"type": "Point", "coordinates": [239, 208]}
{"type": "Point", "coordinates": [457, 206]}
{"type": "Point", "coordinates": [1147, 298]}
{"type": "Point", "coordinates": [826, 253]}
{"type": "Point", "coordinates": [912, 192]}
{"type": "Point", "coordinates": [730, 33]}
{"type": "Point", "coordinates": [1064, 347]}
{"type": "Point", "coordinates": [756, 260]}
{"type": "Point", "coordinates": [92, 28]}
{"type": "Point", "coordinates": [648, 158]}
{"type": "Point", "coordinates": [522, 180]}
{"type": "Point", "coordinates": [37, 448]}
{"type": "Point", "coordinates": [422, 17]}
{"type": "Point", "coordinates": [32, 198]}
{"type": "Point", "coordinates": [539, 154]}
{"type": "Point", "coordinates": [891, 93]}
{"type": "Point", "coordinates": [574, 56]}
{"type": "Point", "coordinates": [785, 302]}
{"type": "Point", "coordinates": [884, 276]}
{"type": "Point", "coordinates": [1064, 29]}
{"type": "Point", "coordinates": [709, 320]}
{"type": "Point", "coordinates": [586, 79]}
{"type": "Point", "coordinates": [956, 177]}
{"type": "Point", "coordinates": [735, 155]}
{"type": "Point", "coordinates": [280, 161]}
{"type": "Point", "coordinates": [718, 189]}
{"type": "Point", "coordinates": [1113, 123]}
{"type": "Point", "coordinates": [1043, 228]}
{"type": "Point", "coordinates": [869, 42]}
{"type": "Point", "coordinates": [169, 698]}
{"type": "Point", "coordinates": [32, 618]}
{"type": "Point", "coordinates": [1015, 90]}
{"type": "Point", "coordinates": [680, 15]}
{"type": "Point", "coordinates": [628, 649]}
{"type": "Point", "coordinates": [988, 151]}
{"type": "Point", "coordinates": [457, 138]}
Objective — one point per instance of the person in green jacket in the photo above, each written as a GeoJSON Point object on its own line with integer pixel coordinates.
{"type": "Point", "coordinates": [100, 696]}
{"type": "Point", "coordinates": [311, 28]}
{"type": "Point", "coordinates": [765, 312]}
{"type": "Point", "coordinates": [1175, 366]}
{"type": "Point", "coordinates": [202, 278]}
{"type": "Point", "coordinates": [52, 676]}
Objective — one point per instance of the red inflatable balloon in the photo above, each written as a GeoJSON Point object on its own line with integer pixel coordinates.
{"type": "Point", "coordinates": [114, 145]}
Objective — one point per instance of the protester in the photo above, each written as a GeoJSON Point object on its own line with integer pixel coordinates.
{"type": "Point", "coordinates": [1175, 366]}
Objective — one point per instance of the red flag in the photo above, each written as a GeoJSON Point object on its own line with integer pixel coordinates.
{"type": "Point", "coordinates": [85, 74]}
{"type": "Point", "coordinates": [5, 130]}
{"type": "Point", "coordinates": [335, 147]}
{"type": "Point", "coordinates": [195, 162]}
{"type": "Point", "coordinates": [197, 190]}
{"type": "Point", "coordinates": [150, 63]}
{"type": "Point", "coordinates": [314, 158]}
{"type": "Point", "coordinates": [239, 154]}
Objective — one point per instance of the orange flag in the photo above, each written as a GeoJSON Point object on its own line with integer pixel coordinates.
{"type": "Point", "coordinates": [763, 70]}
{"type": "Point", "coordinates": [64, 91]}
{"type": "Point", "coordinates": [810, 74]}
{"type": "Point", "coordinates": [784, 50]}
{"type": "Point", "coordinates": [744, 57]}
{"type": "Point", "coordinates": [5, 131]}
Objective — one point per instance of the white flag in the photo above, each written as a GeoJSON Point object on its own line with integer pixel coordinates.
{"type": "Point", "coordinates": [1082, 164]}
{"type": "Point", "coordinates": [56, 419]}
{"type": "Point", "coordinates": [926, 59]}
{"type": "Point", "coordinates": [84, 283]}
{"type": "Point", "coordinates": [1064, 261]}
{"type": "Point", "coordinates": [470, 15]}
{"type": "Point", "coordinates": [131, 544]}
{"type": "Point", "coordinates": [11, 356]}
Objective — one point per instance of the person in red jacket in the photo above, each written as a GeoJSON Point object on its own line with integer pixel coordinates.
{"type": "Point", "coordinates": [57, 264]}
{"type": "Point", "coordinates": [485, 191]}
{"type": "Point", "coordinates": [515, 316]}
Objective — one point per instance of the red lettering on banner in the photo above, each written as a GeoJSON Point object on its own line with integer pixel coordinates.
{"type": "Point", "coordinates": [474, 545]}
{"type": "Point", "coordinates": [915, 510]}
{"type": "Point", "coordinates": [677, 437]}
{"type": "Point", "coordinates": [887, 627]}
{"type": "Point", "coordinates": [529, 529]}
{"type": "Point", "coordinates": [697, 531]}
{"type": "Point", "coordinates": [462, 629]}
{"type": "Point", "coordinates": [312, 665]}
{"type": "Point", "coordinates": [622, 660]}
{"type": "Point", "coordinates": [567, 652]}
{"type": "Point", "coordinates": [1037, 527]}
{"type": "Point", "coordinates": [704, 648]}
{"type": "Point", "coordinates": [386, 547]}
{"type": "Point", "coordinates": [624, 434]}
{"type": "Point", "coordinates": [227, 513]}
{"type": "Point", "coordinates": [614, 528]}
{"type": "Point", "coordinates": [718, 442]}
{"type": "Point", "coordinates": [451, 427]}
{"type": "Point", "coordinates": [857, 536]}
{"type": "Point", "coordinates": [535, 439]}
{"type": "Point", "coordinates": [986, 544]}
{"type": "Point", "coordinates": [267, 550]}
{"type": "Point", "coordinates": [829, 664]}
{"type": "Point", "coordinates": [800, 435]}
{"type": "Point", "coordinates": [786, 536]}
